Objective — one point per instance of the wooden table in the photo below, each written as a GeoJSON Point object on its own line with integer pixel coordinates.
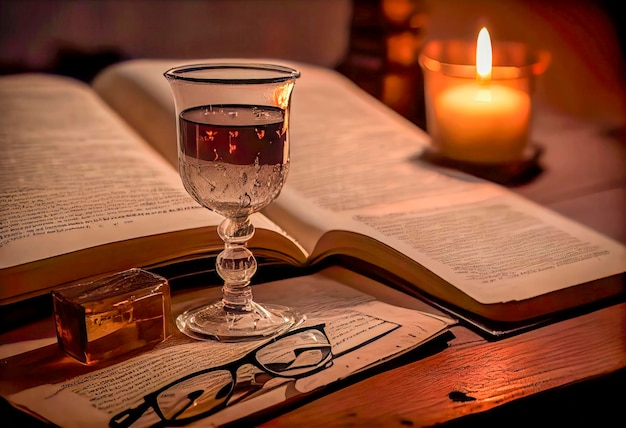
{"type": "Point", "coordinates": [527, 379]}
{"type": "Point", "coordinates": [570, 372]}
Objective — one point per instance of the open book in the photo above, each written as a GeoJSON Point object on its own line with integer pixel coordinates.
{"type": "Point", "coordinates": [90, 187]}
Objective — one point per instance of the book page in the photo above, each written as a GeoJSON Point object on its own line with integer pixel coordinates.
{"type": "Point", "coordinates": [356, 167]}
{"type": "Point", "coordinates": [75, 176]}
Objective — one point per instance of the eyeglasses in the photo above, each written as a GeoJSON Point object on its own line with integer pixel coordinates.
{"type": "Point", "coordinates": [295, 354]}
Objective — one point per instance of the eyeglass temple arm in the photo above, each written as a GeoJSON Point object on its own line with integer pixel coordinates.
{"type": "Point", "coordinates": [128, 416]}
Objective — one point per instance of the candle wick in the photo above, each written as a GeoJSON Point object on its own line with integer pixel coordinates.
{"type": "Point", "coordinates": [483, 79]}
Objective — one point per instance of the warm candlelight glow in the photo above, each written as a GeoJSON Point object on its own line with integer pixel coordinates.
{"type": "Point", "coordinates": [483, 120]}
{"type": "Point", "coordinates": [483, 55]}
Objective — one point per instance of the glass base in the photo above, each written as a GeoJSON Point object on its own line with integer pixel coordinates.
{"type": "Point", "coordinates": [212, 322]}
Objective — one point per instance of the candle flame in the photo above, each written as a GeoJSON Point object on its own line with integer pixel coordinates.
{"type": "Point", "coordinates": [483, 55]}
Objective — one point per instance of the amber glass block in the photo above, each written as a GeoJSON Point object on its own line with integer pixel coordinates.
{"type": "Point", "coordinates": [113, 315]}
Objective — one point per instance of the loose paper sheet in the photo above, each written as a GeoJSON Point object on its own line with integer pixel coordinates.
{"type": "Point", "coordinates": [363, 332]}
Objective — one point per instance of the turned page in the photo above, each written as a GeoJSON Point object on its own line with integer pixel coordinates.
{"type": "Point", "coordinates": [75, 176]}
{"type": "Point", "coordinates": [355, 166]}
{"type": "Point", "coordinates": [138, 91]}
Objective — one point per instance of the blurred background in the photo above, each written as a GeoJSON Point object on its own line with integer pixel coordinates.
{"type": "Point", "coordinates": [373, 42]}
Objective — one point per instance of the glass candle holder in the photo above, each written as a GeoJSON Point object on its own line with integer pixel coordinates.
{"type": "Point", "coordinates": [477, 120]}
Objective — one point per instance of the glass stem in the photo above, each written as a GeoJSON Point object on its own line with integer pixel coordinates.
{"type": "Point", "coordinates": [236, 264]}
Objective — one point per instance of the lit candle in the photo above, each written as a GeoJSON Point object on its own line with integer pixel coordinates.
{"type": "Point", "coordinates": [482, 121]}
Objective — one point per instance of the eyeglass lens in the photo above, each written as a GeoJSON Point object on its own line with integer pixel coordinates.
{"type": "Point", "coordinates": [196, 395]}
{"type": "Point", "coordinates": [295, 355]}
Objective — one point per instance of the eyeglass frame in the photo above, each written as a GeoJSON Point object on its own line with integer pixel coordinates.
{"type": "Point", "coordinates": [129, 416]}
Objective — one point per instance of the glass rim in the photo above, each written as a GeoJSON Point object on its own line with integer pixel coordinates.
{"type": "Point", "coordinates": [530, 61]}
{"type": "Point", "coordinates": [194, 73]}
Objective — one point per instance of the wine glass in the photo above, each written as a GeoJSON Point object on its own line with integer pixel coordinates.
{"type": "Point", "coordinates": [233, 158]}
